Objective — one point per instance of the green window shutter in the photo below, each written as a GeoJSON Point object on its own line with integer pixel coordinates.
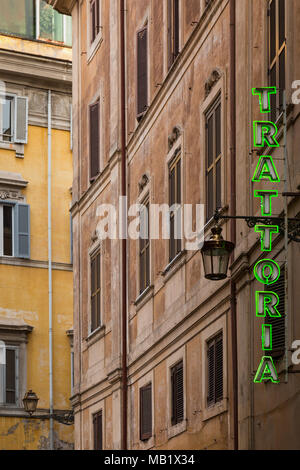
{"type": "Point", "coordinates": [22, 230]}
{"type": "Point", "coordinates": [21, 120]}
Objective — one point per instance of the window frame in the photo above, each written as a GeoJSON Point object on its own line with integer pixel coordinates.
{"type": "Point", "coordinates": [17, 378]}
{"type": "Point", "coordinates": [145, 27]}
{"type": "Point", "coordinates": [277, 99]}
{"type": "Point", "coordinates": [144, 252]}
{"type": "Point", "coordinates": [98, 291]}
{"type": "Point", "coordinates": [95, 102]}
{"type": "Point", "coordinates": [173, 165]}
{"type": "Point", "coordinates": [13, 97]}
{"type": "Point", "coordinates": [216, 159]}
{"type": "Point", "coordinates": [175, 419]}
{"type": "Point", "coordinates": [95, 417]}
{"type": "Point", "coordinates": [145, 436]}
{"type": "Point", "coordinates": [12, 205]}
{"type": "Point", "coordinates": [38, 29]}
{"type": "Point", "coordinates": [213, 341]}
{"type": "Point", "coordinates": [279, 353]}
{"type": "Point", "coordinates": [172, 34]}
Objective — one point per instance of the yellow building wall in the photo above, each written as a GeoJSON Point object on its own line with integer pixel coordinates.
{"type": "Point", "coordinates": [24, 290]}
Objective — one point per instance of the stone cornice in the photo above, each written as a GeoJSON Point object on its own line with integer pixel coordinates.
{"type": "Point", "coordinates": [41, 69]}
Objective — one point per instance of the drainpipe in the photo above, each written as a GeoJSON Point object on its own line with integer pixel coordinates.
{"type": "Point", "coordinates": [233, 211]}
{"type": "Point", "coordinates": [124, 241]}
{"type": "Point", "coordinates": [50, 270]}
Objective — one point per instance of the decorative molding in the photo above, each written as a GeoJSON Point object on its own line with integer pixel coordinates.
{"type": "Point", "coordinates": [143, 183]}
{"type": "Point", "coordinates": [176, 133]}
{"type": "Point", "coordinates": [212, 80]}
{"type": "Point", "coordinates": [14, 330]}
{"type": "Point", "coordinates": [11, 185]}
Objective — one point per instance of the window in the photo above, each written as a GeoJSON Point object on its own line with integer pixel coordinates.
{"type": "Point", "coordinates": [15, 230]}
{"type": "Point", "coordinates": [35, 20]}
{"type": "Point", "coordinates": [142, 72]}
{"type": "Point", "coordinates": [9, 373]}
{"type": "Point", "coordinates": [94, 140]}
{"type": "Point", "coordinates": [144, 247]}
{"type": "Point", "coordinates": [177, 391]}
{"type": "Point", "coordinates": [213, 159]}
{"type": "Point", "coordinates": [215, 370]}
{"type": "Point", "coordinates": [146, 412]}
{"type": "Point", "coordinates": [173, 31]}
{"type": "Point", "coordinates": [278, 324]}
{"type": "Point", "coordinates": [13, 118]}
{"type": "Point", "coordinates": [95, 292]}
{"type": "Point", "coordinates": [175, 199]}
{"type": "Point", "coordinates": [97, 431]}
{"type": "Point", "coordinates": [51, 25]}
{"type": "Point", "coordinates": [18, 18]}
{"type": "Point", "coordinates": [94, 19]}
{"type": "Point", "coordinates": [277, 54]}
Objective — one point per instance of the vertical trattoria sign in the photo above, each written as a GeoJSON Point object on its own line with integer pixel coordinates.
{"type": "Point", "coordinates": [266, 271]}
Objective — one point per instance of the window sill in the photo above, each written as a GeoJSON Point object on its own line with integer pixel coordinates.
{"type": "Point", "coordinates": [144, 297]}
{"type": "Point", "coordinates": [215, 410]}
{"type": "Point", "coordinates": [147, 444]}
{"type": "Point", "coordinates": [96, 335]}
{"type": "Point", "coordinates": [18, 148]}
{"type": "Point", "coordinates": [177, 429]}
{"type": "Point", "coordinates": [174, 265]}
{"type": "Point", "coordinates": [93, 48]}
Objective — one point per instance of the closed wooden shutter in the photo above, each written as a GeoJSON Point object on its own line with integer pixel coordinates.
{"type": "Point", "coordinates": [22, 230]}
{"type": "Point", "coordinates": [278, 323]}
{"type": "Point", "coordinates": [21, 120]}
{"type": "Point", "coordinates": [142, 72]}
{"type": "Point", "coordinates": [98, 433]}
{"type": "Point", "coordinates": [94, 140]}
{"type": "Point", "coordinates": [176, 28]}
{"type": "Point", "coordinates": [10, 376]}
{"type": "Point", "coordinates": [177, 393]}
{"type": "Point", "coordinates": [215, 370]}
{"type": "Point", "coordinates": [146, 412]}
{"type": "Point", "coordinates": [95, 292]}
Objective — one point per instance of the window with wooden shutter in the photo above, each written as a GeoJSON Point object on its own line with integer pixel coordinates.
{"type": "Point", "coordinates": [277, 54]}
{"type": "Point", "coordinates": [278, 323]}
{"type": "Point", "coordinates": [21, 120]}
{"type": "Point", "coordinates": [142, 72]}
{"type": "Point", "coordinates": [175, 216]}
{"type": "Point", "coordinates": [94, 140]}
{"type": "Point", "coordinates": [22, 230]}
{"type": "Point", "coordinates": [173, 30]}
{"type": "Point", "coordinates": [98, 431]}
{"type": "Point", "coordinates": [215, 370]}
{"type": "Point", "coordinates": [146, 412]}
{"type": "Point", "coordinates": [177, 389]}
{"type": "Point", "coordinates": [213, 159]}
{"type": "Point", "coordinates": [144, 248]}
{"type": "Point", "coordinates": [95, 292]}
{"type": "Point", "coordinates": [94, 19]}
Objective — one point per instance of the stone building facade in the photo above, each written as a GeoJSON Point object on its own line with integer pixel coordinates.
{"type": "Point", "coordinates": [190, 66]}
{"type": "Point", "coordinates": [35, 111]}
